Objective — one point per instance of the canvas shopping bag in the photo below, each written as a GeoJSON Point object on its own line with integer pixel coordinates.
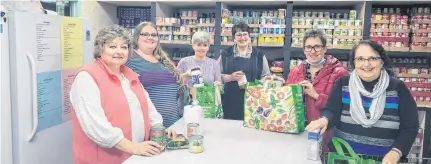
{"type": "Point", "coordinates": [278, 109]}
{"type": "Point", "coordinates": [350, 157]}
{"type": "Point", "coordinates": [209, 99]}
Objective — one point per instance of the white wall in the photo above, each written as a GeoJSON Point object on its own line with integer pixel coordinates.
{"type": "Point", "coordinates": [100, 14]}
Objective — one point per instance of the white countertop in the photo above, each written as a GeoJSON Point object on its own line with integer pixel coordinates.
{"type": "Point", "coordinates": [227, 141]}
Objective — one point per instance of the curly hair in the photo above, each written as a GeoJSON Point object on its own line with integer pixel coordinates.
{"type": "Point", "coordinates": [160, 55]}
{"type": "Point", "coordinates": [107, 34]}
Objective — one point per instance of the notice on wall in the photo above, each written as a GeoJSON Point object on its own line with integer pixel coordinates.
{"type": "Point", "coordinates": [71, 42]}
{"type": "Point", "coordinates": [68, 76]}
{"type": "Point", "coordinates": [49, 97]}
{"type": "Point", "coordinates": [48, 50]}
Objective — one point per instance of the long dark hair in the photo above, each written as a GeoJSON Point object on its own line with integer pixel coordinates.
{"type": "Point", "coordinates": [387, 62]}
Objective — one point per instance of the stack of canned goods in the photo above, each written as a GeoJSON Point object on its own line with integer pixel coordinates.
{"type": "Point", "coordinates": [167, 20]}
{"type": "Point", "coordinates": [182, 37]}
{"type": "Point", "coordinates": [280, 13]}
{"type": "Point", "coordinates": [327, 15]}
{"type": "Point", "coordinates": [195, 139]}
{"type": "Point", "coordinates": [386, 43]}
{"type": "Point", "coordinates": [345, 42]}
{"type": "Point", "coordinates": [276, 40]}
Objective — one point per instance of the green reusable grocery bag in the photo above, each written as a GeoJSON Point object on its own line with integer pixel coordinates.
{"type": "Point", "coordinates": [350, 157]}
{"type": "Point", "coordinates": [272, 108]}
{"type": "Point", "coordinates": [209, 99]}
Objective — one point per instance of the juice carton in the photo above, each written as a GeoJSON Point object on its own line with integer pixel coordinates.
{"type": "Point", "coordinates": [314, 149]}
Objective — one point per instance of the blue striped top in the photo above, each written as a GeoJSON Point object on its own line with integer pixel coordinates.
{"type": "Point", "coordinates": [396, 128]}
{"type": "Point", "coordinates": [161, 85]}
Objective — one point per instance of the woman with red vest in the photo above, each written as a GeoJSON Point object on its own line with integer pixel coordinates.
{"type": "Point", "coordinates": [112, 113]}
{"type": "Point", "coordinates": [317, 74]}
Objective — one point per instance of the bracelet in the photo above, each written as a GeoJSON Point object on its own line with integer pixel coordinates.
{"type": "Point", "coordinates": [397, 151]}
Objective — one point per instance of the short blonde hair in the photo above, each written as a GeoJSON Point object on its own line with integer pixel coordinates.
{"type": "Point", "coordinates": [201, 37]}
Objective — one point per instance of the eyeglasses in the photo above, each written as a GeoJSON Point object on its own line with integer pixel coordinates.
{"type": "Point", "coordinates": [153, 35]}
{"type": "Point", "coordinates": [241, 34]}
{"type": "Point", "coordinates": [361, 60]}
{"type": "Point", "coordinates": [316, 48]}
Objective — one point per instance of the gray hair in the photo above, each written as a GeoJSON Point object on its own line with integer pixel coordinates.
{"type": "Point", "coordinates": [108, 34]}
{"type": "Point", "coordinates": [201, 37]}
{"type": "Point", "coordinates": [315, 33]}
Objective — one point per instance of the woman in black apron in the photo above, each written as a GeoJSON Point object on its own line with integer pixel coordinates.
{"type": "Point", "coordinates": [236, 62]}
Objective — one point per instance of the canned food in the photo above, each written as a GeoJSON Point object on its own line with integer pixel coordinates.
{"type": "Point", "coordinates": [301, 21]}
{"type": "Point", "coordinates": [350, 22]}
{"type": "Point", "coordinates": [158, 135]}
{"type": "Point", "coordinates": [343, 22]}
{"type": "Point", "coordinates": [196, 144]}
{"type": "Point", "coordinates": [398, 44]}
{"type": "Point", "coordinates": [192, 129]}
{"type": "Point", "coordinates": [309, 21]}
{"type": "Point", "coordinates": [328, 41]}
{"type": "Point", "coordinates": [358, 22]}
{"type": "Point", "coordinates": [337, 32]}
{"type": "Point", "coordinates": [351, 32]}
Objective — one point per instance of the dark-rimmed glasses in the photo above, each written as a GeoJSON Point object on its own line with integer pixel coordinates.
{"type": "Point", "coordinates": [316, 48]}
{"type": "Point", "coordinates": [153, 35]}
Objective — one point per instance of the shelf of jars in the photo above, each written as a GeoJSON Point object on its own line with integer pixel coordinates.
{"type": "Point", "coordinates": [402, 29]}
{"type": "Point", "coordinates": [267, 28]}
{"type": "Point", "coordinates": [343, 30]}
{"type": "Point", "coordinates": [180, 29]}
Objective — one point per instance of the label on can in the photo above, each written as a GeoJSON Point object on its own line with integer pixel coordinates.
{"type": "Point", "coordinates": [196, 144]}
{"type": "Point", "coordinates": [192, 129]}
{"type": "Point", "coordinates": [158, 135]}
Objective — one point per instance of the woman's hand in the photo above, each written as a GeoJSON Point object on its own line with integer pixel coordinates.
{"type": "Point", "coordinates": [391, 157]}
{"type": "Point", "coordinates": [146, 148]}
{"type": "Point", "coordinates": [187, 73]}
{"type": "Point", "coordinates": [236, 76]}
{"type": "Point", "coordinates": [321, 123]}
{"type": "Point", "coordinates": [309, 89]}
{"type": "Point", "coordinates": [171, 133]}
{"type": "Point", "coordinates": [273, 77]}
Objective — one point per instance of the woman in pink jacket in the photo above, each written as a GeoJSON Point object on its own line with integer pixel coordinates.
{"type": "Point", "coordinates": [317, 74]}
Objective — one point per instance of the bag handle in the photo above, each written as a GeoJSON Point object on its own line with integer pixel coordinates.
{"type": "Point", "coordinates": [338, 142]}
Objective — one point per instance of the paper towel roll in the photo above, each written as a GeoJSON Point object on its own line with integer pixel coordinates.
{"type": "Point", "coordinates": [193, 114]}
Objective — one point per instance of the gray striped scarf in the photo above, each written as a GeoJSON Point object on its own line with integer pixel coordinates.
{"type": "Point", "coordinates": [356, 89]}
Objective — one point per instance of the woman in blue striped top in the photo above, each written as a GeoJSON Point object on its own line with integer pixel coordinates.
{"type": "Point", "coordinates": [371, 109]}
{"type": "Point", "coordinates": [157, 72]}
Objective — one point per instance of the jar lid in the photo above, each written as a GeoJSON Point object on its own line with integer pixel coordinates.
{"type": "Point", "coordinates": [196, 137]}
{"type": "Point", "coordinates": [158, 127]}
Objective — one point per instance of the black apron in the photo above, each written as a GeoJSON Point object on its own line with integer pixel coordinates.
{"type": "Point", "coordinates": [233, 97]}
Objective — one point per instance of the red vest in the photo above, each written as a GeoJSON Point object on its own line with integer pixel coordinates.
{"type": "Point", "coordinates": [116, 108]}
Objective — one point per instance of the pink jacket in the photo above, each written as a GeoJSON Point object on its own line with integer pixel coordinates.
{"type": "Point", "coordinates": [323, 83]}
{"type": "Point", "coordinates": [116, 109]}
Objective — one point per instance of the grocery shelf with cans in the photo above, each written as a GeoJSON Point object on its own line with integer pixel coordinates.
{"type": "Point", "coordinates": [402, 29]}
{"type": "Point", "coordinates": [278, 28]}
